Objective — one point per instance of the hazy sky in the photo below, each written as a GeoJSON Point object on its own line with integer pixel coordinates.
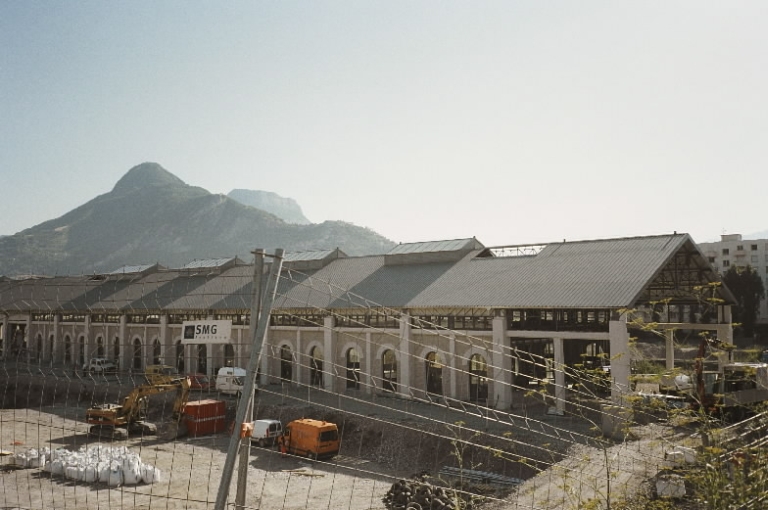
{"type": "Point", "coordinates": [515, 122]}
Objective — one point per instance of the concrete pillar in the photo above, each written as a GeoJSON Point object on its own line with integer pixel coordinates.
{"type": "Point", "coordinates": [125, 346]}
{"type": "Point", "coordinates": [453, 374]}
{"type": "Point", "coordinates": [299, 369]}
{"type": "Point", "coordinates": [620, 358]}
{"type": "Point", "coordinates": [329, 359]}
{"type": "Point", "coordinates": [559, 370]}
{"type": "Point", "coordinates": [404, 358]}
{"type": "Point", "coordinates": [166, 343]}
{"type": "Point", "coordinates": [367, 376]}
{"type": "Point", "coordinates": [90, 349]}
{"type": "Point", "coordinates": [502, 366]}
{"type": "Point", "coordinates": [669, 336]}
{"type": "Point", "coordinates": [56, 350]}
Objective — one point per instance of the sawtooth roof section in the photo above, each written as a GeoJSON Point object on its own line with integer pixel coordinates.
{"type": "Point", "coordinates": [431, 251]}
{"type": "Point", "coordinates": [230, 290]}
{"type": "Point", "coordinates": [41, 294]}
{"type": "Point", "coordinates": [311, 260]}
{"type": "Point", "coordinates": [220, 263]}
{"type": "Point", "coordinates": [136, 269]}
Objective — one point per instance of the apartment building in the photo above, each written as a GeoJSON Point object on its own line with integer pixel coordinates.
{"type": "Point", "coordinates": [734, 251]}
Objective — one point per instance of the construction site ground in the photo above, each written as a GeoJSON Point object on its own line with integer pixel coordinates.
{"type": "Point", "coordinates": [384, 438]}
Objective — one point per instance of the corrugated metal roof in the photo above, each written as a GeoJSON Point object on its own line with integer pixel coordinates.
{"type": "Point", "coordinates": [610, 273]}
{"type": "Point", "coordinates": [432, 246]}
{"type": "Point", "coordinates": [307, 255]}
{"type": "Point", "coordinates": [208, 263]}
{"type": "Point", "coordinates": [132, 269]}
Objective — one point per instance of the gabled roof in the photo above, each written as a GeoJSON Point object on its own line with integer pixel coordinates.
{"type": "Point", "coordinates": [599, 274]}
{"type": "Point", "coordinates": [612, 273]}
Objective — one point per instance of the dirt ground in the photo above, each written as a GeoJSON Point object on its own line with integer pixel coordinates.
{"type": "Point", "coordinates": [383, 440]}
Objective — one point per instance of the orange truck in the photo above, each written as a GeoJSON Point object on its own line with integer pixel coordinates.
{"type": "Point", "coordinates": [312, 438]}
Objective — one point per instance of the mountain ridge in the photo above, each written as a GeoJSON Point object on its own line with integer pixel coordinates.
{"type": "Point", "coordinates": [152, 216]}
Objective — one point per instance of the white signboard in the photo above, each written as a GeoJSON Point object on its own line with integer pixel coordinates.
{"type": "Point", "coordinates": [206, 332]}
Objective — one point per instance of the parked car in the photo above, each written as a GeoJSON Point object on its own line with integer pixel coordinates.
{"type": "Point", "coordinates": [200, 382]}
{"type": "Point", "coordinates": [266, 432]}
{"type": "Point", "coordinates": [100, 366]}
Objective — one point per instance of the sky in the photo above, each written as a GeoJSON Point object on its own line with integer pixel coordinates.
{"type": "Point", "coordinates": [516, 122]}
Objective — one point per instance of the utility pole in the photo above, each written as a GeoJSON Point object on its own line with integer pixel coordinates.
{"type": "Point", "coordinates": [259, 312]}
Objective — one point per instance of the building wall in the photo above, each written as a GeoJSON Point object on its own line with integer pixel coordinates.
{"type": "Point", "coordinates": [733, 251]}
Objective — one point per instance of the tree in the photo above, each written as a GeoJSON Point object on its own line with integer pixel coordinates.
{"type": "Point", "coordinates": [747, 287]}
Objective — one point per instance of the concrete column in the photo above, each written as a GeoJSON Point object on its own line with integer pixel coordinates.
{"type": "Point", "coordinates": [264, 359]}
{"type": "Point", "coordinates": [453, 375]}
{"type": "Point", "coordinates": [367, 379]}
{"type": "Point", "coordinates": [299, 377]}
{"type": "Point", "coordinates": [501, 366]}
{"type": "Point", "coordinates": [669, 336]}
{"type": "Point", "coordinates": [126, 349]}
{"type": "Point", "coordinates": [620, 358]}
{"type": "Point", "coordinates": [89, 347]}
{"type": "Point", "coordinates": [168, 359]}
{"type": "Point", "coordinates": [559, 370]}
{"type": "Point", "coordinates": [57, 353]}
{"type": "Point", "coordinates": [329, 358]}
{"type": "Point", "coordinates": [404, 358]}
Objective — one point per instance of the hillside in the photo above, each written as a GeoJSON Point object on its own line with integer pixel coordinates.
{"type": "Point", "coordinates": [284, 208]}
{"type": "Point", "coordinates": [152, 216]}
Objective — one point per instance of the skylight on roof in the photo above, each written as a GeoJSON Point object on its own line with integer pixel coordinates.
{"type": "Point", "coordinates": [530, 250]}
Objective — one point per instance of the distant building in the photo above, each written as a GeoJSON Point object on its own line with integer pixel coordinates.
{"type": "Point", "coordinates": [733, 251]}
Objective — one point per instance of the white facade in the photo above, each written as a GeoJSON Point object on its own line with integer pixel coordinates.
{"type": "Point", "coordinates": [733, 251]}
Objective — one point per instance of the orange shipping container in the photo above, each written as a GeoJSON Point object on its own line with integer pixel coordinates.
{"type": "Point", "coordinates": [205, 417]}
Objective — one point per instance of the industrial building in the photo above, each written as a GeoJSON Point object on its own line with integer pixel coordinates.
{"type": "Point", "coordinates": [452, 319]}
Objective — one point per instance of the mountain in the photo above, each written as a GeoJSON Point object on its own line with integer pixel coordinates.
{"type": "Point", "coordinates": [152, 216]}
{"type": "Point", "coordinates": [285, 208]}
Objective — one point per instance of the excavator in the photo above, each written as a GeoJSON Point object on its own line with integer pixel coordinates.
{"type": "Point", "coordinates": [119, 420]}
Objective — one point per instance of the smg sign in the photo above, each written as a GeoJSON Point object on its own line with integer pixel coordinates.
{"type": "Point", "coordinates": [206, 332]}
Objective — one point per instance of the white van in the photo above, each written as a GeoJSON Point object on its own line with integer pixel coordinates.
{"type": "Point", "coordinates": [231, 380]}
{"type": "Point", "coordinates": [266, 432]}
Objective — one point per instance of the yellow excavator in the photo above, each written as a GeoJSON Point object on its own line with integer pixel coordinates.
{"type": "Point", "coordinates": [119, 420]}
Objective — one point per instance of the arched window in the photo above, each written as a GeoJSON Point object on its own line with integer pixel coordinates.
{"type": "Point", "coordinates": [389, 370]}
{"type": "Point", "coordinates": [99, 347]}
{"type": "Point", "coordinates": [49, 355]}
{"type": "Point", "coordinates": [116, 349]}
{"type": "Point", "coordinates": [316, 366]}
{"type": "Point", "coordinates": [202, 358]}
{"type": "Point", "coordinates": [179, 357]}
{"type": "Point", "coordinates": [39, 347]}
{"type": "Point", "coordinates": [434, 373]}
{"type": "Point", "coordinates": [353, 369]}
{"type": "Point", "coordinates": [286, 363]}
{"type": "Point", "coordinates": [137, 364]}
{"type": "Point", "coordinates": [81, 350]}
{"type": "Point", "coordinates": [157, 352]}
{"type": "Point", "coordinates": [67, 349]}
{"type": "Point", "coordinates": [229, 355]}
{"type": "Point", "coordinates": [478, 378]}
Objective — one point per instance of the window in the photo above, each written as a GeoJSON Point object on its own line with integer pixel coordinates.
{"type": "Point", "coordinates": [740, 247]}
{"type": "Point", "coordinates": [389, 366]}
{"type": "Point", "coordinates": [353, 369]}
{"type": "Point", "coordinates": [726, 263]}
{"type": "Point", "coordinates": [711, 260]}
{"type": "Point", "coordinates": [753, 247]}
{"type": "Point", "coordinates": [726, 251]}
